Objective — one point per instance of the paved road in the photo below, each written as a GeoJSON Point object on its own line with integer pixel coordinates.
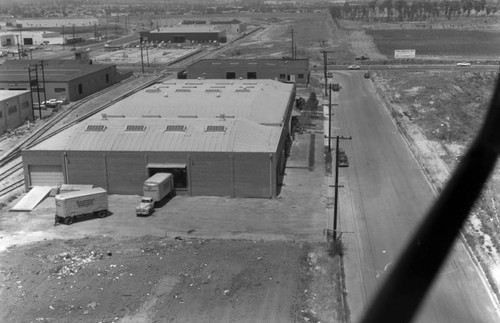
{"type": "Point", "coordinates": [385, 195]}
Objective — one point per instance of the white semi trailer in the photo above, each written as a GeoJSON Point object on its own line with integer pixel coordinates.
{"type": "Point", "coordinates": [155, 189]}
{"type": "Point", "coordinates": [80, 203]}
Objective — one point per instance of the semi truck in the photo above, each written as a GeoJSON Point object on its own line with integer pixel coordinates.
{"type": "Point", "coordinates": [75, 204]}
{"type": "Point", "coordinates": [155, 189]}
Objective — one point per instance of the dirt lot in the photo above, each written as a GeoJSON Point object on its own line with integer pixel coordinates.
{"type": "Point", "coordinates": [156, 280]}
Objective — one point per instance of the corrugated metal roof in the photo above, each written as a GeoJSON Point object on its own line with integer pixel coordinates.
{"type": "Point", "coordinates": [240, 135]}
{"type": "Point", "coordinates": [261, 101]}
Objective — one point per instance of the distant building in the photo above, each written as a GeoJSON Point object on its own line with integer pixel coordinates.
{"type": "Point", "coordinates": [55, 22]}
{"type": "Point", "coordinates": [233, 26]}
{"type": "Point", "coordinates": [284, 70]}
{"type": "Point", "coordinates": [182, 34]}
{"type": "Point", "coordinates": [29, 38]}
{"type": "Point", "coordinates": [15, 109]}
{"type": "Point", "coordinates": [64, 79]}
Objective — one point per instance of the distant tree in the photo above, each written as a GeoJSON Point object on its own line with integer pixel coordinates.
{"type": "Point", "coordinates": [312, 102]}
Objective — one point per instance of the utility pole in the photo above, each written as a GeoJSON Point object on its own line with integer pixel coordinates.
{"type": "Point", "coordinates": [335, 213]}
{"type": "Point", "coordinates": [74, 44]}
{"type": "Point", "coordinates": [142, 57]}
{"type": "Point", "coordinates": [293, 47]}
{"type": "Point", "coordinates": [325, 52]}
{"type": "Point", "coordinates": [330, 117]}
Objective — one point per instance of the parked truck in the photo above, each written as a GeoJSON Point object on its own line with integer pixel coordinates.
{"type": "Point", "coordinates": [81, 203]}
{"type": "Point", "coordinates": [155, 189]}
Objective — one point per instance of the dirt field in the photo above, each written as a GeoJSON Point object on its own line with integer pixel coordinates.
{"type": "Point", "coordinates": [157, 280]}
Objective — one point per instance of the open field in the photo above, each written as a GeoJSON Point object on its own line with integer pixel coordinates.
{"type": "Point", "coordinates": [459, 44]}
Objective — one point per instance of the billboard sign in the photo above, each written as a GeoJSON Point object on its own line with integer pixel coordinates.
{"type": "Point", "coordinates": [404, 53]}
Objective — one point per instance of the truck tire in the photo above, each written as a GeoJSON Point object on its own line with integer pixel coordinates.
{"type": "Point", "coordinates": [68, 220]}
{"type": "Point", "coordinates": [102, 213]}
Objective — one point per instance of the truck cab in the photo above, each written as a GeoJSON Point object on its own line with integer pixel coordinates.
{"type": "Point", "coordinates": [146, 207]}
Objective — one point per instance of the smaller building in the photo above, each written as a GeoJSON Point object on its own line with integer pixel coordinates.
{"type": "Point", "coordinates": [284, 70]}
{"type": "Point", "coordinates": [15, 109]}
{"type": "Point", "coordinates": [28, 38]}
{"type": "Point", "coordinates": [182, 34]}
{"type": "Point", "coordinates": [61, 79]}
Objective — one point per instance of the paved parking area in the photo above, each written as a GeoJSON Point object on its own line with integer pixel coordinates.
{"type": "Point", "coordinates": [297, 214]}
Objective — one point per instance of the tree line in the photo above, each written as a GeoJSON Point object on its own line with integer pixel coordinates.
{"type": "Point", "coordinates": [401, 10]}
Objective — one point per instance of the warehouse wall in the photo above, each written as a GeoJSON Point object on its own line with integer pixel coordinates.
{"type": "Point", "coordinates": [91, 83]}
{"type": "Point", "coordinates": [209, 174]}
{"type": "Point", "coordinates": [15, 111]}
{"type": "Point", "coordinates": [280, 70]}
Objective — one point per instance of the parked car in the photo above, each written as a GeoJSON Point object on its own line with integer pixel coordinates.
{"type": "Point", "coordinates": [343, 160]}
{"type": "Point", "coordinates": [353, 67]}
{"type": "Point", "coordinates": [463, 64]}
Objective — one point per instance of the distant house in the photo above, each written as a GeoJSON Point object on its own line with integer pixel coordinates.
{"type": "Point", "coordinates": [284, 70]}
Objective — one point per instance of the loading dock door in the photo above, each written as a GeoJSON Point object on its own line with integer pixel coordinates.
{"type": "Point", "coordinates": [46, 175]}
{"type": "Point", "coordinates": [179, 171]}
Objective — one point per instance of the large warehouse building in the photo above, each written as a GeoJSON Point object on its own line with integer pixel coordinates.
{"type": "Point", "coordinates": [63, 79]}
{"type": "Point", "coordinates": [218, 137]}
{"type": "Point", "coordinates": [198, 34]}
{"type": "Point", "coordinates": [284, 70]}
{"type": "Point", "coordinates": [15, 109]}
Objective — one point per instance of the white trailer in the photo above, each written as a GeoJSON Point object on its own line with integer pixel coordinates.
{"type": "Point", "coordinates": [158, 186]}
{"type": "Point", "coordinates": [155, 189]}
{"type": "Point", "coordinates": [80, 203]}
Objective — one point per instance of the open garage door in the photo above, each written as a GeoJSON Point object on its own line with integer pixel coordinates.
{"type": "Point", "coordinates": [46, 175]}
{"type": "Point", "coordinates": [179, 171]}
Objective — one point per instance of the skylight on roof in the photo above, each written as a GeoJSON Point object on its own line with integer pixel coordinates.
{"type": "Point", "coordinates": [182, 90]}
{"type": "Point", "coordinates": [135, 128]}
{"type": "Point", "coordinates": [95, 127]}
{"type": "Point", "coordinates": [175, 128]}
{"type": "Point", "coordinates": [216, 129]}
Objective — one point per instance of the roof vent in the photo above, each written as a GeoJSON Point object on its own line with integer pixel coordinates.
{"type": "Point", "coordinates": [95, 127]}
{"type": "Point", "coordinates": [242, 90]}
{"type": "Point", "coordinates": [216, 129]}
{"type": "Point", "coordinates": [153, 90]}
{"type": "Point", "coordinates": [175, 128]}
{"type": "Point", "coordinates": [135, 128]}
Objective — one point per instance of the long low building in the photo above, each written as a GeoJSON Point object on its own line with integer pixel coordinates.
{"type": "Point", "coordinates": [284, 70]}
{"type": "Point", "coordinates": [62, 79]}
{"type": "Point", "coordinates": [15, 109]}
{"type": "Point", "coordinates": [217, 137]}
{"type": "Point", "coordinates": [198, 34]}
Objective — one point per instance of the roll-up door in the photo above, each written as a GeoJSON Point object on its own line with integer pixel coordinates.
{"type": "Point", "coordinates": [46, 175]}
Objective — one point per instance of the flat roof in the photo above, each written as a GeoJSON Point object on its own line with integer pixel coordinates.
{"type": "Point", "coordinates": [7, 94]}
{"type": "Point", "coordinates": [54, 70]}
{"type": "Point", "coordinates": [152, 135]}
{"type": "Point", "coordinates": [261, 101]}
